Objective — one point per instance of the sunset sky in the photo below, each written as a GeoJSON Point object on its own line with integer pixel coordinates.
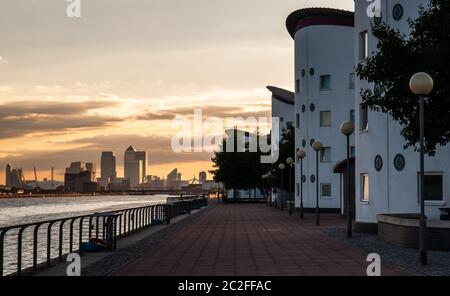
{"type": "Point", "coordinates": [117, 76]}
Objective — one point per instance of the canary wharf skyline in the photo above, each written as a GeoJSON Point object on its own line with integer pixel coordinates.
{"type": "Point", "coordinates": [117, 76]}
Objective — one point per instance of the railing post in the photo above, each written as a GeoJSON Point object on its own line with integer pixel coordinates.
{"type": "Point", "coordinates": [167, 213]}
{"type": "Point", "coordinates": [61, 239]}
{"type": "Point", "coordinates": [35, 245]}
{"type": "Point", "coordinates": [49, 242]}
{"type": "Point", "coordinates": [19, 250]}
{"type": "Point", "coordinates": [80, 233]}
{"type": "Point", "coordinates": [71, 235]}
{"type": "Point", "coordinates": [2, 240]}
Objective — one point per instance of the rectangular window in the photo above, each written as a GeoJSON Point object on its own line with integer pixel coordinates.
{"type": "Point", "coordinates": [297, 86]}
{"type": "Point", "coordinates": [325, 118]}
{"type": "Point", "coordinates": [298, 189]}
{"type": "Point", "coordinates": [325, 82]}
{"type": "Point", "coordinates": [363, 117]}
{"type": "Point", "coordinates": [352, 81]}
{"type": "Point", "coordinates": [352, 151]}
{"type": "Point", "coordinates": [325, 190]}
{"type": "Point", "coordinates": [364, 187]}
{"type": "Point", "coordinates": [434, 188]}
{"type": "Point", "coordinates": [352, 116]}
{"type": "Point", "coordinates": [297, 120]}
{"type": "Point", "coordinates": [363, 45]}
{"type": "Point", "coordinates": [325, 154]}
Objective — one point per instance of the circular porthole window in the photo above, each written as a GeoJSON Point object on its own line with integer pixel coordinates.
{"type": "Point", "coordinates": [397, 12]}
{"type": "Point", "coordinates": [303, 108]}
{"type": "Point", "coordinates": [378, 163]}
{"type": "Point", "coordinates": [303, 73]}
{"type": "Point", "coordinates": [399, 162]}
{"type": "Point", "coordinates": [312, 141]}
{"type": "Point", "coordinates": [304, 178]}
{"type": "Point", "coordinates": [312, 107]}
{"type": "Point", "coordinates": [304, 143]}
{"type": "Point", "coordinates": [313, 178]}
{"type": "Point", "coordinates": [312, 71]}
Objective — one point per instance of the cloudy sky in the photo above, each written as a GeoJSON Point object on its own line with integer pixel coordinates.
{"type": "Point", "coordinates": [70, 88]}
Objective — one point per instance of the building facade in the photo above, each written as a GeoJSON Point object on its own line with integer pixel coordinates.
{"type": "Point", "coordinates": [135, 166]}
{"type": "Point", "coordinates": [282, 107]}
{"type": "Point", "coordinates": [202, 177]}
{"type": "Point", "coordinates": [324, 98]}
{"type": "Point", "coordinates": [108, 165]}
{"type": "Point", "coordinates": [174, 179]}
{"type": "Point", "coordinates": [14, 177]}
{"type": "Point", "coordinates": [386, 173]}
{"type": "Point", "coordinates": [80, 178]}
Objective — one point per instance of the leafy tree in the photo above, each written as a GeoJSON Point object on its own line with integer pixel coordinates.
{"type": "Point", "coordinates": [287, 149]}
{"type": "Point", "coordinates": [239, 169]}
{"type": "Point", "coordinates": [399, 56]}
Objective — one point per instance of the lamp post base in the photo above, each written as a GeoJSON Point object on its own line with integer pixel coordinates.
{"type": "Point", "coordinates": [423, 258]}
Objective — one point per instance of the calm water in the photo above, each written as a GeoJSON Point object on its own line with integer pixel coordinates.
{"type": "Point", "coordinates": [17, 211]}
{"type": "Point", "coordinates": [27, 210]}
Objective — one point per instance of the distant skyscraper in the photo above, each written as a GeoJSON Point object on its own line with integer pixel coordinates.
{"type": "Point", "coordinates": [174, 179]}
{"type": "Point", "coordinates": [14, 177]}
{"type": "Point", "coordinates": [202, 177]}
{"type": "Point", "coordinates": [8, 175]}
{"type": "Point", "coordinates": [135, 166]}
{"type": "Point", "coordinates": [108, 165]}
{"type": "Point", "coordinates": [80, 177]}
{"type": "Point", "coordinates": [142, 156]}
{"type": "Point", "coordinates": [91, 168]}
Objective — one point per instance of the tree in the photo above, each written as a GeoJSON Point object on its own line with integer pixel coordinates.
{"type": "Point", "coordinates": [239, 169]}
{"type": "Point", "coordinates": [399, 56]}
{"type": "Point", "coordinates": [287, 149]}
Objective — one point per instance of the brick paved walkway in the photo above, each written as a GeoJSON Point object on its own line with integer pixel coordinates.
{"type": "Point", "coordinates": [251, 239]}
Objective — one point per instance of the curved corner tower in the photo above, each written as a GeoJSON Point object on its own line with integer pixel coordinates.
{"type": "Point", "coordinates": [324, 97]}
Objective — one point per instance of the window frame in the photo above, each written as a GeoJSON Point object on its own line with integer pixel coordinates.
{"type": "Point", "coordinates": [321, 191]}
{"type": "Point", "coordinates": [352, 80]}
{"type": "Point", "coordinates": [363, 45]}
{"type": "Point", "coordinates": [430, 201]}
{"type": "Point", "coordinates": [321, 80]}
{"type": "Point", "coordinates": [352, 115]}
{"type": "Point", "coordinates": [321, 118]}
{"type": "Point", "coordinates": [322, 153]}
{"type": "Point", "coordinates": [363, 117]}
{"type": "Point", "coordinates": [362, 198]}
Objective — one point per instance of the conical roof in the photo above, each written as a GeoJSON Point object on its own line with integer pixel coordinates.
{"type": "Point", "coordinates": [131, 148]}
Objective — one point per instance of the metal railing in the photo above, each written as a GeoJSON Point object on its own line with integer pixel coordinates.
{"type": "Point", "coordinates": [30, 247]}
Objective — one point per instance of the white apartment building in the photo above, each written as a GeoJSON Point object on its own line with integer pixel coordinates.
{"type": "Point", "coordinates": [386, 173]}
{"type": "Point", "coordinates": [283, 102]}
{"type": "Point", "coordinates": [324, 97]}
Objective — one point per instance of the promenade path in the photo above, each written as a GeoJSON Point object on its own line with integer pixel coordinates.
{"type": "Point", "coordinates": [252, 240]}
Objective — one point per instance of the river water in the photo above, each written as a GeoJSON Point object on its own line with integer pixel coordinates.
{"type": "Point", "coordinates": [16, 211]}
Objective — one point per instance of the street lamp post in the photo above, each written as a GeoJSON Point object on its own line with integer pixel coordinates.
{"type": "Point", "coordinates": [269, 186]}
{"type": "Point", "coordinates": [422, 84]}
{"type": "Point", "coordinates": [290, 163]}
{"type": "Point", "coordinates": [347, 129]}
{"type": "Point", "coordinates": [301, 155]}
{"type": "Point", "coordinates": [318, 146]}
{"type": "Point", "coordinates": [263, 190]}
{"type": "Point", "coordinates": [281, 166]}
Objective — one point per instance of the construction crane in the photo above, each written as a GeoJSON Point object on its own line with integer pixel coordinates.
{"type": "Point", "coordinates": [35, 177]}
